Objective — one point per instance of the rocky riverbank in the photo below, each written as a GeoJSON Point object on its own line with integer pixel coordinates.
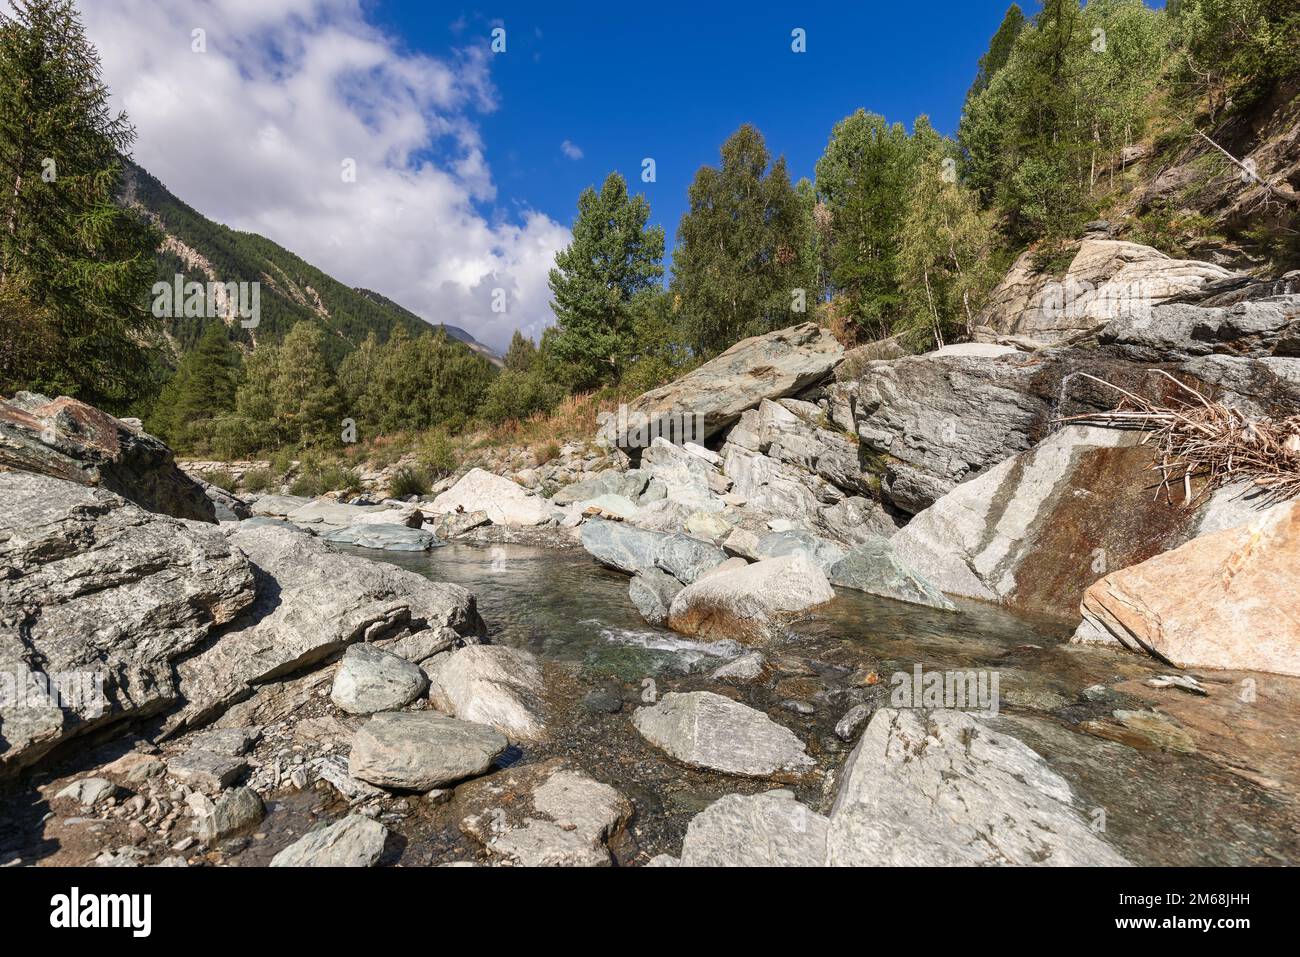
{"type": "Point", "coordinates": [703, 665]}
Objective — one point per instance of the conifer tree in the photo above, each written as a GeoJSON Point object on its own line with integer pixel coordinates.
{"type": "Point", "coordinates": [79, 263]}
{"type": "Point", "coordinates": [202, 391]}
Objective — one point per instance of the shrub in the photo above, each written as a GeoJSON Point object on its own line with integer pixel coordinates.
{"type": "Point", "coordinates": [316, 479]}
{"type": "Point", "coordinates": [438, 456]}
{"type": "Point", "coordinates": [409, 481]}
{"type": "Point", "coordinates": [547, 452]}
{"type": "Point", "coordinates": [258, 480]}
{"type": "Point", "coordinates": [222, 479]}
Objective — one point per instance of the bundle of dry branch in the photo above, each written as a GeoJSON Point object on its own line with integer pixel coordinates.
{"type": "Point", "coordinates": [1196, 438]}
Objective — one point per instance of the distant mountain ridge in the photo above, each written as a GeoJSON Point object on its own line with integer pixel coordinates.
{"type": "Point", "coordinates": [292, 289]}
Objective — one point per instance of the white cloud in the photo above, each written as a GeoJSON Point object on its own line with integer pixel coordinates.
{"type": "Point", "coordinates": [254, 133]}
{"type": "Point", "coordinates": [571, 150]}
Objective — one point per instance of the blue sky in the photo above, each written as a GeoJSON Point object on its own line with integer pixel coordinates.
{"type": "Point", "coordinates": [671, 80]}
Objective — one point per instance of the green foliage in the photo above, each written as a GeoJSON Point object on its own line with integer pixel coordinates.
{"type": "Point", "coordinates": [661, 354]}
{"type": "Point", "coordinates": [522, 353]}
{"type": "Point", "coordinates": [612, 258]}
{"type": "Point", "coordinates": [999, 51]}
{"type": "Point", "coordinates": [517, 395]}
{"type": "Point", "coordinates": [288, 398]}
{"type": "Point", "coordinates": [258, 480]}
{"type": "Point", "coordinates": [410, 384]}
{"type": "Point", "coordinates": [866, 167]}
{"type": "Point", "coordinates": [190, 405]}
{"type": "Point", "coordinates": [1236, 49]}
{"type": "Point", "coordinates": [316, 478]}
{"type": "Point", "coordinates": [437, 454]}
{"type": "Point", "coordinates": [741, 250]}
{"type": "Point", "coordinates": [407, 481]}
{"type": "Point", "coordinates": [75, 267]}
{"type": "Point", "coordinates": [222, 479]}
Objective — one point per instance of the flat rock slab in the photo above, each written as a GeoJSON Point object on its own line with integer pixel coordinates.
{"type": "Point", "coordinates": [391, 537]}
{"type": "Point", "coordinates": [706, 730]}
{"type": "Point", "coordinates": [544, 815]}
{"type": "Point", "coordinates": [874, 567]}
{"type": "Point", "coordinates": [759, 830]}
{"type": "Point", "coordinates": [941, 788]}
{"type": "Point", "coordinates": [369, 680]}
{"type": "Point", "coordinates": [505, 502]}
{"type": "Point", "coordinates": [422, 751]}
{"type": "Point", "coordinates": [355, 841]}
{"type": "Point", "coordinates": [206, 770]}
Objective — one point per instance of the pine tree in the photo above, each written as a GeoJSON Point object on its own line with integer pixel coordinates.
{"type": "Point", "coordinates": [861, 175]}
{"type": "Point", "coordinates": [740, 259]}
{"type": "Point", "coordinates": [612, 257]}
{"type": "Point", "coordinates": [999, 51]}
{"type": "Point", "coordinates": [289, 396]}
{"type": "Point", "coordinates": [522, 353]}
{"type": "Point", "coordinates": [201, 392]}
{"type": "Point", "coordinates": [81, 263]}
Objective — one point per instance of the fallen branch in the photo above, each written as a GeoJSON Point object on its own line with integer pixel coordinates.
{"type": "Point", "coordinates": [1197, 438]}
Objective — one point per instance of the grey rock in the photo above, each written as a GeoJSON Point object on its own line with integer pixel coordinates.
{"type": "Point", "coordinates": [370, 680]}
{"type": "Point", "coordinates": [941, 788]}
{"type": "Point", "coordinates": [312, 602]}
{"type": "Point", "coordinates": [603, 700]}
{"type": "Point", "coordinates": [750, 603]}
{"type": "Point", "coordinates": [621, 546]}
{"type": "Point", "coordinates": [278, 506]}
{"type": "Point", "coordinates": [97, 587]}
{"type": "Point", "coordinates": [355, 841]}
{"type": "Point", "coordinates": [206, 770]}
{"type": "Point", "coordinates": [236, 810]}
{"type": "Point", "coordinates": [853, 721]}
{"type": "Point", "coordinates": [800, 542]}
{"type": "Point", "coordinates": [88, 791]}
{"type": "Point", "coordinates": [422, 751]}
{"type": "Point", "coordinates": [226, 507]}
{"type": "Point", "coordinates": [629, 484]}
{"type": "Point", "coordinates": [757, 830]}
{"type": "Point", "coordinates": [706, 730]}
{"type": "Point", "coordinates": [232, 742]}
{"type": "Point", "coordinates": [875, 568]}
{"type": "Point", "coordinates": [686, 558]}
{"type": "Point", "coordinates": [493, 685]}
{"type": "Point", "coordinates": [748, 667]}
{"type": "Point", "coordinates": [652, 593]}
{"type": "Point", "coordinates": [385, 537]}
{"type": "Point", "coordinates": [454, 524]}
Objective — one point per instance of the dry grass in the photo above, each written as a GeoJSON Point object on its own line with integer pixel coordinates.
{"type": "Point", "coordinates": [573, 418]}
{"type": "Point", "coordinates": [1199, 439]}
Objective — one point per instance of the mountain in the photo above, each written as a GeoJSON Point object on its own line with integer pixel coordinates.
{"type": "Point", "coordinates": [292, 289]}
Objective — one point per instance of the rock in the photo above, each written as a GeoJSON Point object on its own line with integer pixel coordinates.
{"type": "Point", "coordinates": [454, 524]}
{"type": "Point", "coordinates": [620, 546]}
{"type": "Point", "coordinates": [236, 810]}
{"type": "Point", "coordinates": [610, 506]}
{"type": "Point", "coordinates": [387, 537]}
{"type": "Point", "coordinates": [1183, 331]}
{"type": "Point", "coordinates": [847, 728]}
{"type": "Point", "coordinates": [423, 645]}
{"type": "Point", "coordinates": [771, 366]}
{"type": "Point", "coordinates": [370, 680]}
{"type": "Point", "coordinates": [98, 600]}
{"type": "Point", "coordinates": [88, 791]}
{"type": "Point", "coordinates": [730, 565]}
{"type": "Point", "coordinates": [135, 768]}
{"type": "Point", "coordinates": [748, 667]}
{"type": "Point", "coordinates": [940, 788]}
{"type": "Point", "coordinates": [1107, 279]}
{"type": "Point", "coordinates": [355, 841]}
{"type": "Point", "coordinates": [421, 751]}
{"type": "Point", "coordinates": [493, 685]}
{"type": "Point", "coordinates": [324, 515]}
{"type": "Point", "coordinates": [686, 558]}
{"type": "Point", "coordinates": [392, 512]}
{"type": "Point", "coordinates": [662, 860]}
{"type": "Point", "coordinates": [1037, 530]}
{"type": "Point", "coordinates": [743, 544]}
{"type": "Point", "coordinates": [678, 475]}
{"type": "Point", "coordinates": [706, 730]}
{"type": "Point", "coordinates": [652, 593]}
{"type": "Point", "coordinates": [817, 550]}
{"type": "Point", "coordinates": [226, 507]}
{"type": "Point", "coordinates": [603, 700]}
{"type": "Point", "coordinates": [708, 525]}
{"type": "Point", "coordinates": [232, 742]}
{"type": "Point", "coordinates": [875, 568]}
{"type": "Point", "coordinates": [66, 439]}
{"type": "Point", "coordinates": [312, 602]}
{"type": "Point", "coordinates": [206, 770]}
{"type": "Point", "coordinates": [757, 830]}
{"type": "Point", "coordinates": [749, 603]}
{"type": "Point", "coordinates": [1223, 600]}
{"type": "Point", "coordinates": [278, 506]}
{"type": "Point", "coordinates": [505, 502]}
{"type": "Point", "coordinates": [546, 815]}
{"type": "Point", "coordinates": [626, 484]}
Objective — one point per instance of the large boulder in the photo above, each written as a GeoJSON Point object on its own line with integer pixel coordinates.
{"type": "Point", "coordinates": [622, 546]}
{"type": "Point", "coordinates": [70, 440]}
{"type": "Point", "coordinates": [771, 829]}
{"type": "Point", "coordinates": [1182, 331]}
{"type": "Point", "coordinates": [629, 484]}
{"type": "Point", "coordinates": [749, 603]}
{"type": "Point", "coordinates": [875, 568]}
{"type": "Point", "coordinates": [355, 841]}
{"type": "Point", "coordinates": [712, 397]}
{"type": "Point", "coordinates": [312, 602]}
{"type": "Point", "coordinates": [491, 684]}
{"type": "Point", "coordinates": [420, 751]}
{"type": "Point", "coordinates": [99, 599]}
{"type": "Point", "coordinates": [652, 592]}
{"type": "Point", "coordinates": [1037, 530]}
{"type": "Point", "coordinates": [706, 730]}
{"type": "Point", "coordinates": [386, 536]}
{"type": "Point", "coordinates": [543, 815]}
{"type": "Point", "coordinates": [940, 788]}
{"type": "Point", "coordinates": [1107, 279]}
{"type": "Point", "coordinates": [505, 502]}
{"type": "Point", "coordinates": [370, 679]}
{"type": "Point", "coordinates": [1223, 600]}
